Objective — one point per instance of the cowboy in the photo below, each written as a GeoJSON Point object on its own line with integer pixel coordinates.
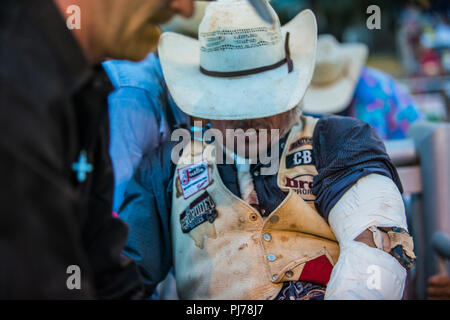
{"type": "Point", "coordinates": [342, 85]}
{"type": "Point", "coordinates": [330, 211]}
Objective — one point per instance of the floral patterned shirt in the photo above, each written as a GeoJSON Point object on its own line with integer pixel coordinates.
{"type": "Point", "coordinates": [387, 106]}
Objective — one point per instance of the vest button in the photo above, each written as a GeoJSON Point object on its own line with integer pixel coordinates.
{"type": "Point", "coordinates": [271, 257]}
{"type": "Point", "coordinates": [289, 274]}
{"type": "Point", "coordinates": [274, 277]}
{"type": "Point", "coordinates": [274, 219]}
{"type": "Point", "coordinates": [253, 217]}
{"type": "Point", "coordinates": [267, 236]}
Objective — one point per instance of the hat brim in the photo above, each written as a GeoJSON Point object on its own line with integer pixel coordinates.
{"type": "Point", "coordinates": [246, 97]}
{"type": "Point", "coordinates": [336, 97]}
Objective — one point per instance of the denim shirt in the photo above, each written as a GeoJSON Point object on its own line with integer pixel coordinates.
{"type": "Point", "coordinates": [142, 116]}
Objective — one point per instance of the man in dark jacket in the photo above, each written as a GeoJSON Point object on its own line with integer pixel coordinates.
{"type": "Point", "coordinates": [306, 223]}
{"type": "Point", "coordinates": [58, 238]}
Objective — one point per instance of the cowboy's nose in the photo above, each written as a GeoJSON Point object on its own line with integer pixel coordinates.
{"type": "Point", "coordinates": [184, 8]}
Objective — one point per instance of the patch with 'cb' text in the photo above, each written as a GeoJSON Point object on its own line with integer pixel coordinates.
{"type": "Point", "coordinates": [303, 157]}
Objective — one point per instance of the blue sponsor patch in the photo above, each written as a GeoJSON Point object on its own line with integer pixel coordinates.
{"type": "Point", "coordinates": [199, 211]}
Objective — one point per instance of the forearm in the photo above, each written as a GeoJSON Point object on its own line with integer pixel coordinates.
{"type": "Point", "coordinates": [366, 269]}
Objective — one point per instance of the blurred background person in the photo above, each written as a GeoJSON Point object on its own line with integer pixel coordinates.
{"type": "Point", "coordinates": [343, 85]}
{"type": "Point", "coordinates": [439, 287]}
{"type": "Point", "coordinates": [57, 180]}
{"type": "Point", "coordinates": [412, 45]}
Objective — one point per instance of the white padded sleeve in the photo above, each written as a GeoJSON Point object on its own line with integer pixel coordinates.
{"type": "Point", "coordinates": [363, 272]}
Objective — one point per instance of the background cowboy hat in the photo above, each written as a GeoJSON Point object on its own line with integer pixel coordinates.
{"type": "Point", "coordinates": [337, 71]}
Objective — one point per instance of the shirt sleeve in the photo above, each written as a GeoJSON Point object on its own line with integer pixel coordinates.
{"type": "Point", "coordinates": [346, 150]}
{"type": "Point", "coordinates": [146, 209]}
{"type": "Point", "coordinates": [135, 130]}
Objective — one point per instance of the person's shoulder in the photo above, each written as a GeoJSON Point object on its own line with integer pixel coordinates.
{"type": "Point", "coordinates": [345, 137]}
{"type": "Point", "coordinates": [375, 76]}
{"type": "Point", "coordinates": [338, 127]}
{"type": "Point", "coordinates": [145, 74]}
{"type": "Point", "coordinates": [345, 150]}
{"type": "Point", "coordinates": [373, 83]}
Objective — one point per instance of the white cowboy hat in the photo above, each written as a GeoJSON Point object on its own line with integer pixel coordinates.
{"type": "Point", "coordinates": [221, 76]}
{"type": "Point", "coordinates": [338, 67]}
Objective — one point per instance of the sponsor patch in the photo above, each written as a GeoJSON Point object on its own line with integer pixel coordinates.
{"type": "Point", "coordinates": [303, 157]}
{"type": "Point", "coordinates": [300, 143]}
{"type": "Point", "coordinates": [302, 185]}
{"type": "Point", "coordinates": [200, 210]}
{"type": "Point", "coordinates": [193, 178]}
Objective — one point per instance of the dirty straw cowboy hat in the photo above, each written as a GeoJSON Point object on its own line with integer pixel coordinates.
{"type": "Point", "coordinates": [338, 67]}
{"type": "Point", "coordinates": [241, 67]}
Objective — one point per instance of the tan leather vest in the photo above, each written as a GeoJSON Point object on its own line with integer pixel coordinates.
{"type": "Point", "coordinates": [224, 249]}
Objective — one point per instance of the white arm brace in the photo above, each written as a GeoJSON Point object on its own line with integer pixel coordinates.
{"type": "Point", "coordinates": [363, 272]}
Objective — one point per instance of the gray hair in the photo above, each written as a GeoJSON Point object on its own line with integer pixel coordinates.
{"type": "Point", "coordinates": [296, 112]}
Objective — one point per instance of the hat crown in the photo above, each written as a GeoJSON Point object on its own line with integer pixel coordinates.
{"type": "Point", "coordinates": [234, 38]}
{"type": "Point", "coordinates": [330, 62]}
